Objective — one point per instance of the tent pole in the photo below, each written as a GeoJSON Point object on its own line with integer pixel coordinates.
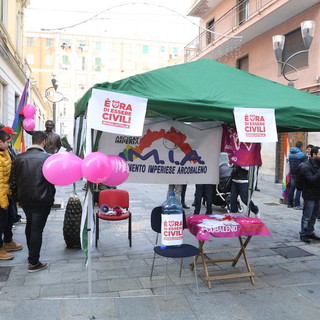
{"type": "Point", "coordinates": [90, 236]}
{"type": "Point", "coordinates": [250, 186]}
{"type": "Point", "coordinates": [90, 223]}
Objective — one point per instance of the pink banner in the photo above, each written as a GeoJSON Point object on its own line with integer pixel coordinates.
{"type": "Point", "coordinates": [243, 226]}
{"type": "Point", "coordinates": [240, 153]}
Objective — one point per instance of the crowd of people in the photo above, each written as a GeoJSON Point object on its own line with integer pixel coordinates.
{"type": "Point", "coordinates": [22, 182]}
{"type": "Point", "coordinates": [303, 165]}
{"type": "Point", "coordinates": [206, 193]}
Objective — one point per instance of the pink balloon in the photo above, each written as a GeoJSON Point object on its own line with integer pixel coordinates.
{"type": "Point", "coordinates": [62, 169]}
{"type": "Point", "coordinates": [120, 171]}
{"type": "Point", "coordinates": [28, 124]}
{"type": "Point", "coordinates": [96, 167]}
{"type": "Point", "coordinates": [29, 110]}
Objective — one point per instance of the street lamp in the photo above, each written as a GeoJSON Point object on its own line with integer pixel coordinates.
{"type": "Point", "coordinates": [307, 32]}
{"type": "Point", "coordinates": [57, 96]}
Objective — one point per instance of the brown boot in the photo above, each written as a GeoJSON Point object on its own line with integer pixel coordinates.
{"type": "Point", "coordinates": [12, 246]}
{"type": "Point", "coordinates": [4, 255]}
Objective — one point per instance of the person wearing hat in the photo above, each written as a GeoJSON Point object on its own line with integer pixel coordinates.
{"type": "Point", "coordinates": [6, 221]}
{"type": "Point", "coordinates": [9, 130]}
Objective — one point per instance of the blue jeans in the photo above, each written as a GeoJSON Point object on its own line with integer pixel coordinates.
{"type": "Point", "coordinates": [309, 215]}
{"type": "Point", "coordinates": [36, 220]}
{"type": "Point", "coordinates": [241, 189]}
{"type": "Point", "coordinates": [205, 190]}
{"type": "Point", "coordinates": [6, 222]}
{"type": "Point", "coordinates": [291, 194]}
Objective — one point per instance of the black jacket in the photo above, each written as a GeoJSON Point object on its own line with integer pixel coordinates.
{"type": "Point", "coordinates": [239, 173]}
{"type": "Point", "coordinates": [310, 171]}
{"type": "Point", "coordinates": [31, 189]}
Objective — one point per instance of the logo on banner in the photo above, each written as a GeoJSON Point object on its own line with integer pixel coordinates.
{"type": "Point", "coordinates": [117, 114]}
{"type": "Point", "coordinates": [172, 139]}
{"type": "Point", "coordinates": [172, 229]}
{"type": "Point", "coordinates": [168, 152]}
{"type": "Point", "coordinates": [254, 125]}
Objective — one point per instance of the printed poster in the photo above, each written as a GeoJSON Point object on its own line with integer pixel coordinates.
{"type": "Point", "coordinates": [241, 153]}
{"type": "Point", "coordinates": [169, 152]}
{"type": "Point", "coordinates": [116, 112]}
{"type": "Point", "coordinates": [256, 125]}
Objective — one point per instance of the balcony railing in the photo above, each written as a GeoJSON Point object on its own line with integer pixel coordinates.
{"type": "Point", "coordinates": [229, 22]}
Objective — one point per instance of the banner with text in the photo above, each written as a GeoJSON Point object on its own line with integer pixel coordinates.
{"type": "Point", "coordinates": [116, 112]}
{"type": "Point", "coordinates": [169, 152]}
{"type": "Point", "coordinates": [256, 125]}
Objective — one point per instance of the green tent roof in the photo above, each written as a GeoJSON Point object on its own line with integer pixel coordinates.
{"type": "Point", "coordinates": [209, 90]}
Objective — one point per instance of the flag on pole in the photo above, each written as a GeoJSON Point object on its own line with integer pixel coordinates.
{"type": "Point", "coordinates": [286, 169]}
{"type": "Point", "coordinates": [18, 139]}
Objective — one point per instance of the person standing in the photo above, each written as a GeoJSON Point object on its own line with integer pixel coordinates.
{"type": "Point", "coordinates": [179, 192]}
{"type": "Point", "coordinates": [183, 197]}
{"type": "Point", "coordinates": [12, 209]}
{"type": "Point", "coordinates": [308, 149]}
{"type": "Point", "coordinates": [34, 194]}
{"type": "Point", "coordinates": [207, 191]}
{"type": "Point", "coordinates": [296, 156]}
{"type": "Point", "coordinates": [239, 187]}
{"type": "Point", "coordinates": [6, 221]}
{"type": "Point", "coordinates": [310, 174]}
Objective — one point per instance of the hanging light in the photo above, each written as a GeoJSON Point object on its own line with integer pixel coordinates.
{"type": "Point", "coordinates": [307, 32]}
{"type": "Point", "coordinates": [278, 45]}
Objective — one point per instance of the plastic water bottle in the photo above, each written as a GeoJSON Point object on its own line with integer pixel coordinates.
{"type": "Point", "coordinates": [171, 222]}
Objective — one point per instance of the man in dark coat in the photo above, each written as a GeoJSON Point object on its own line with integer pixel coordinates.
{"type": "Point", "coordinates": [34, 194]}
{"type": "Point", "coordinates": [296, 156]}
{"type": "Point", "coordinates": [310, 175]}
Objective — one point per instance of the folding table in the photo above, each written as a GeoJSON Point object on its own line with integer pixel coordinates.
{"type": "Point", "coordinates": [224, 226]}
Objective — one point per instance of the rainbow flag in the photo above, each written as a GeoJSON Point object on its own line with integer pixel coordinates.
{"type": "Point", "coordinates": [18, 139]}
{"type": "Point", "coordinates": [286, 169]}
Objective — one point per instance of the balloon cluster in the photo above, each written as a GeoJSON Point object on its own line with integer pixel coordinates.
{"type": "Point", "coordinates": [66, 168]}
{"type": "Point", "coordinates": [29, 111]}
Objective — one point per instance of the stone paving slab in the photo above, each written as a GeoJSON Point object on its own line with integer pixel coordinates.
{"type": "Point", "coordinates": [287, 285]}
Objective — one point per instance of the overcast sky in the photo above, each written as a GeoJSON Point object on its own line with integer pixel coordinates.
{"type": "Point", "coordinates": [148, 19]}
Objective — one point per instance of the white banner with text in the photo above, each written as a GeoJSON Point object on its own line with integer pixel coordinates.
{"type": "Point", "coordinates": [116, 112]}
{"type": "Point", "coordinates": [256, 125]}
{"type": "Point", "coordinates": [169, 152]}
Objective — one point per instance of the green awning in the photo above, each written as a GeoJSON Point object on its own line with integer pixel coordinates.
{"type": "Point", "coordinates": [208, 90]}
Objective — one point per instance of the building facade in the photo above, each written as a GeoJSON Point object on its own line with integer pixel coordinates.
{"type": "Point", "coordinates": [78, 62]}
{"type": "Point", "coordinates": [242, 38]}
{"type": "Point", "coordinates": [14, 70]}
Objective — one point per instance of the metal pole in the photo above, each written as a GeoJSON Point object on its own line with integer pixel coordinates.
{"type": "Point", "coordinates": [54, 107]}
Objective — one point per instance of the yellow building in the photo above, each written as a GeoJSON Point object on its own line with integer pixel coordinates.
{"type": "Point", "coordinates": [78, 62]}
{"type": "Point", "coordinates": [14, 71]}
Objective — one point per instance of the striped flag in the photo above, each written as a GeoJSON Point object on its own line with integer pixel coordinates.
{"type": "Point", "coordinates": [286, 169]}
{"type": "Point", "coordinates": [18, 139]}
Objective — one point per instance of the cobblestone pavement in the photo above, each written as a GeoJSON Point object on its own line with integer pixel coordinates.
{"type": "Point", "coordinates": [286, 270]}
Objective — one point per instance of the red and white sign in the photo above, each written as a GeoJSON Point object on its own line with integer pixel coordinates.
{"type": "Point", "coordinates": [256, 125]}
{"type": "Point", "coordinates": [171, 229]}
{"type": "Point", "coordinates": [116, 112]}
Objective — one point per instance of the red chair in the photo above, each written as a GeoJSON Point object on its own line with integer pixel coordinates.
{"type": "Point", "coordinates": [114, 197]}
